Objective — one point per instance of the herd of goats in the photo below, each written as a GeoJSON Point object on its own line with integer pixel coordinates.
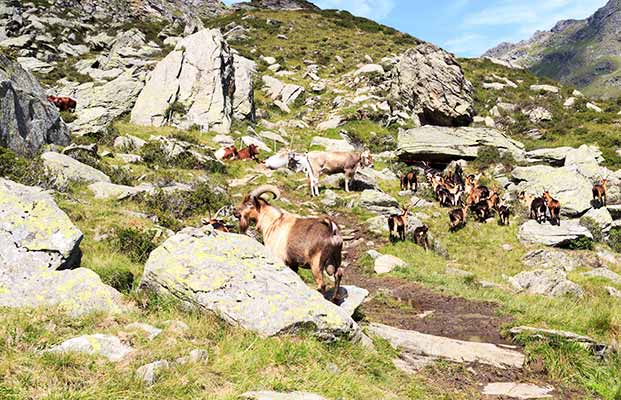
{"type": "Point", "coordinates": [316, 242]}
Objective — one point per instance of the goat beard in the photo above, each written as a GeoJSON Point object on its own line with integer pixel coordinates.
{"type": "Point", "coordinates": [243, 224]}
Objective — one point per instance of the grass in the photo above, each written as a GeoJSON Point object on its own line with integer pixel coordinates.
{"type": "Point", "coordinates": [238, 361]}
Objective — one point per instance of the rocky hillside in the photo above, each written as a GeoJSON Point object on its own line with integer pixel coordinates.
{"type": "Point", "coordinates": [581, 53]}
{"type": "Point", "coordinates": [116, 283]}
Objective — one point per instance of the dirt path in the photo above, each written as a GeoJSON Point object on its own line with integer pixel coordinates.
{"type": "Point", "coordinates": [407, 305]}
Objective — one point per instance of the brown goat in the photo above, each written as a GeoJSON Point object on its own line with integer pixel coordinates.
{"type": "Point", "coordinates": [314, 242]}
{"type": "Point", "coordinates": [554, 206]}
{"type": "Point", "coordinates": [398, 224]}
{"type": "Point", "coordinates": [600, 192]}
{"type": "Point", "coordinates": [458, 218]}
{"type": "Point", "coordinates": [421, 237]}
{"type": "Point", "coordinates": [249, 153]}
{"type": "Point", "coordinates": [409, 181]}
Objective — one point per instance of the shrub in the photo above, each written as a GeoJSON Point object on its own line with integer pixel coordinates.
{"type": "Point", "coordinates": [593, 227]}
{"type": "Point", "coordinates": [68, 117]}
{"type": "Point", "coordinates": [134, 243]}
{"type": "Point", "coordinates": [584, 243]}
{"type": "Point", "coordinates": [30, 172]}
{"type": "Point", "coordinates": [120, 279]}
{"type": "Point", "coordinates": [173, 207]}
{"type": "Point", "coordinates": [614, 239]}
{"type": "Point", "coordinates": [153, 153]}
{"type": "Point", "coordinates": [174, 108]}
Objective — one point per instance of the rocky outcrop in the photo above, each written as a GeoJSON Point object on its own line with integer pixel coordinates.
{"type": "Point", "coordinates": [38, 246]}
{"type": "Point", "coordinates": [99, 104]}
{"type": "Point", "coordinates": [547, 282]}
{"type": "Point", "coordinates": [278, 5]}
{"type": "Point", "coordinates": [571, 189]}
{"type": "Point", "coordinates": [27, 119]}
{"type": "Point", "coordinates": [434, 143]}
{"type": "Point", "coordinates": [419, 344]}
{"type": "Point", "coordinates": [429, 82]}
{"type": "Point", "coordinates": [194, 85]}
{"type": "Point", "coordinates": [574, 52]}
{"type": "Point", "coordinates": [553, 235]}
{"type": "Point", "coordinates": [243, 98]}
{"type": "Point", "coordinates": [236, 278]}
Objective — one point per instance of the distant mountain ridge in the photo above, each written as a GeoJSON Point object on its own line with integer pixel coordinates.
{"type": "Point", "coordinates": [583, 53]}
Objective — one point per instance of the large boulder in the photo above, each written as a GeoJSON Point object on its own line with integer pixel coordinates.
{"type": "Point", "coordinates": [193, 85]}
{"type": "Point", "coordinates": [429, 81]}
{"type": "Point", "coordinates": [38, 246]}
{"type": "Point", "coordinates": [66, 169]}
{"type": "Point", "coordinates": [243, 98]}
{"type": "Point", "coordinates": [435, 143]}
{"type": "Point", "coordinates": [27, 119]}
{"type": "Point", "coordinates": [99, 104]}
{"type": "Point", "coordinates": [378, 202]}
{"type": "Point", "coordinates": [553, 235]}
{"type": "Point", "coordinates": [547, 282]}
{"type": "Point", "coordinates": [236, 278]}
{"type": "Point", "coordinates": [570, 188]}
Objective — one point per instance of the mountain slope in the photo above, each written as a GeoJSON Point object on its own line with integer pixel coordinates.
{"type": "Point", "coordinates": [583, 53]}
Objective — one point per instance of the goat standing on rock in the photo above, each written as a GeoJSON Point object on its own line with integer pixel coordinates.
{"type": "Point", "coordinates": [554, 206]}
{"type": "Point", "coordinates": [600, 193]}
{"type": "Point", "coordinates": [314, 242]}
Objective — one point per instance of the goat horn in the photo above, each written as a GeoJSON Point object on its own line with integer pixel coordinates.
{"type": "Point", "coordinates": [266, 189]}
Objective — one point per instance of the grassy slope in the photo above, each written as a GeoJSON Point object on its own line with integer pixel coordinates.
{"type": "Point", "coordinates": [240, 361]}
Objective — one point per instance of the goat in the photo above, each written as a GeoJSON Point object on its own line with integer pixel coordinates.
{"type": "Point", "coordinates": [420, 237]}
{"type": "Point", "coordinates": [538, 209]}
{"type": "Point", "coordinates": [600, 192]}
{"type": "Point", "coordinates": [409, 181]}
{"type": "Point", "coordinates": [457, 218]}
{"type": "Point", "coordinates": [227, 153]}
{"type": "Point", "coordinates": [503, 213]}
{"type": "Point", "coordinates": [477, 193]}
{"type": "Point", "coordinates": [398, 224]}
{"type": "Point", "coordinates": [554, 206]}
{"type": "Point", "coordinates": [216, 223]}
{"type": "Point", "coordinates": [249, 153]}
{"type": "Point", "coordinates": [63, 103]}
{"type": "Point", "coordinates": [336, 162]}
{"type": "Point", "coordinates": [314, 242]}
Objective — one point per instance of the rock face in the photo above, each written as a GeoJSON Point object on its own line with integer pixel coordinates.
{"type": "Point", "coordinates": [99, 104]}
{"type": "Point", "coordinates": [547, 282]}
{"type": "Point", "coordinates": [419, 344]}
{"type": "Point", "coordinates": [243, 98]}
{"type": "Point", "coordinates": [195, 85]}
{"type": "Point", "coordinates": [571, 189]}
{"type": "Point", "coordinates": [280, 4]}
{"type": "Point", "coordinates": [430, 82]}
{"type": "Point", "coordinates": [27, 119]}
{"type": "Point", "coordinates": [552, 259]}
{"type": "Point", "coordinates": [38, 243]}
{"type": "Point", "coordinates": [432, 143]}
{"type": "Point", "coordinates": [236, 278]}
{"type": "Point", "coordinates": [533, 232]}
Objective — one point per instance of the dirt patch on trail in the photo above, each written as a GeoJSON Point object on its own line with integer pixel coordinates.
{"type": "Point", "coordinates": [407, 305]}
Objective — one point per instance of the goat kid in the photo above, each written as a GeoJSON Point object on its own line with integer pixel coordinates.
{"type": "Point", "coordinates": [458, 218]}
{"type": "Point", "coordinates": [398, 224]}
{"type": "Point", "coordinates": [314, 242]}
{"type": "Point", "coordinates": [421, 237]}
{"type": "Point", "coordinates": [409, 181]}
{"type": "Point", "coordinates": [554, 206]}
{"type": "Point", "coordinates": [503, 214]}
{"type": "Point", "coordinates": [600, 193]}
{"type": "Point", "coordinates": [227, 153]}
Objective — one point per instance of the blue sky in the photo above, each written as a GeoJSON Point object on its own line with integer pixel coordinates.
{"type": "Point", "coordinates": [467, 27]}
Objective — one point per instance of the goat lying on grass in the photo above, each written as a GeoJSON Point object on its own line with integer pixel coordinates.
{"type": "Point", "coordinates": [314, 242]}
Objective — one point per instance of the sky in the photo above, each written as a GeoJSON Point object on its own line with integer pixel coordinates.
{"type": "Point", "coordinates": [467, 27]}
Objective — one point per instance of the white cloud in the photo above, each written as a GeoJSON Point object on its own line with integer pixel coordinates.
{"type": "Point", "coordinates": [373, 9]}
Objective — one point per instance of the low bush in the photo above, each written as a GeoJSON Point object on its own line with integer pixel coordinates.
{"type": "Point", "coordinates": [584, 243]}
{"type": "Point", "coordinates": [593, 227]}
{"type": "Point", "coordinates": [614, 239]}
{"type": "Point", "coordinates": [134, 243]}
{"type": "Point", "coordinates": [120, 279]}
